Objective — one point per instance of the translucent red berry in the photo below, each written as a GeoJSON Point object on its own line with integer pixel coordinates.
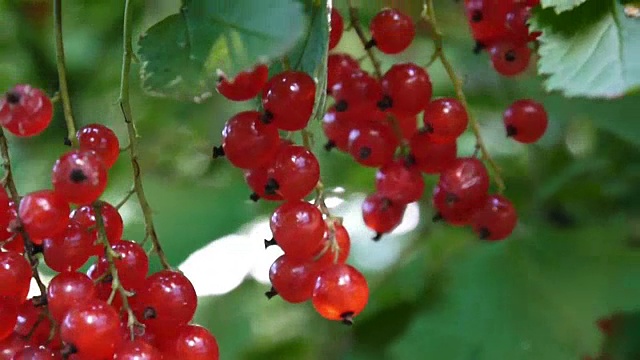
{"type": "Point", "coordinates": [66, 291]}
{"type": "Point", "coordinates": [339, 67]}
{"type": "Point", "coordinates": [37, 353]}
{"type": "Point", "coordinates": [431, 157]}
{"type": "Point", "coordinates": [91, 330]}
{"type": "Point", "coordinates": [407, 89]}
{"type": "Point", "coordinates": [25, 111]}
{"type": "Point", "coordinates": [167, 298]}
{"type": "Point", "coordinates": [194, 342]}
{"type": "Point", "coordinates": [293, 280]}
{"type": "Point", "coordinates": [246, 85]}
{"type": "Point", "coordinates": [79, 176]}
{"type": "Point", "coordinates": [102, 140]}
{"type": "Point", "coordinates": [340, 293]}
{"type": "Point", "coordinates": [392, 31]}
{"type": "Point", "coordinates": [288, 100]}
{"type": "Point", "coordinates": [357, 87]}
{"type": "Point", "coordinates": [12, 240]}
{"type": "Point", "coordinates": [12, 345]}
{"type": "Point", "coordinates": [333, 255]}
{"type": "Point", "coordinates": [462, 189]}
{"type": "Point", "coordinates": [294, 174]}
{"type": "Point", "coordinates": [131, 262]}
{"type": "Point", "coordinates": [525, 121]}
{"type": "Point", "coordinates": [248, 142]}
{"type": "Point", "coordinates": [9, 315]}
{"type": "Point", "coordinates": [70, 250]}
{"type": "Point", "coordinates": [496, 220]}
{"type": "Point", "coordinates": [298, 228]}
{"type": "Point", "coordinates": [451, 209]}
{"type": "Point", "coordinates": [338, 124]}
{"type": "Point", "coordinates": [44, 213]}
{"type": "Point", "coordinates": [408, 125]}
{"type": "Point", "coordinates": [487, 19]}
{"type": "Point", "coordinates": [372, 144]}
{"type": "Point", "coordinates": [400, 181]}
{"type": "Point", "coordinates": [15, 276]}
{"type": "Point", "coordinates": [337, 27]}
{"type": "Point", "coordinates": [509, 59]}
{"type": "Point", "coordinates": [32, 320]}
{"type": "Point", "coordinates": [445, 119]}
{"type": "Point", "coordinates": [382, 214]}
{"type": "Point", "coordinates": [137, 350]}
{"type": "Point", "coordinates": [111, 219]}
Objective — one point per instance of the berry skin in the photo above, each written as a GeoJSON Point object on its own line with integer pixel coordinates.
{"type": "Point", "coordinates": [131, 262]}
{"type": "Point", "coordinates": [194, 342]}
{"type": "Point", "coordinates": [295, 172]}
{"type": "Point", "coordinates": [456, 213]}
{"type": "Point", "coordinates": [259, 181]}
{"type": "Point", "coordinates": [509, 59]}
{"type": "Point", "coordinates": [288, 100]}
{"type": "Point", "coordinates": [68, 290]}
{"type": "Point", "coordinates": [496, 220]}
{"type": "Point", "coordinates": [339, 67]}
{"type": "Point", "coordinates": [299, 229]}
{"type": "Point", "coordinates": [340, 293]}
{"type": "Point", "coordinates": [487, 19]}
{"type": "Point", "coordinates": [372, 144]}
{"type": "Point", "coordinates": [400, 182]}
{"type": "Point", "coordinates": [69, 251]}
{"type": "Point", "coordinates": [44, 213]}
{"type": "Point", "coordinates": [32, 319]}
{"type": "Point", "coordinates": [25, 111]}
{"type": "Point", "coordinates": [343, 241]}
{"type": "Point", "coordinates": [79, 176]}
{"type": "Point", "coordinates": [392, 31]}
{"type": "Point", "coordinates": [9, 316]}
{"type": "Point", "coordinates": [431, 157]}
{"type": "Point", "coordinates": [338, 124]}
{"type": "Point", "coordinates": [356, 88]}
{"type": "Point", "coordinates": [525, 121]}
{"type": "Point", "coordinates": [37, 353]}
{"type": "Point", "coordinates": [465, 181]}
{"type": "Point", "coordinates": [15, 277]}
{"type": "Point", "coordinates": [246, 85]}
{"type": "Point", "coordinates": [12, 241]}
{"type": "Point", "coordinates": [445, 119]}
{"type": "Point", "coordinates": [293, 280]}
{"type": "Point", "coordinates": [167, 298]}
{"type": "Point", "coordinates": [102, 140]}
{"type": "Point", "coordinates": [382, 214]}
{"type": "Point", "coordinates": [407, 89]}
{"type": "Point", "coordinates": [408, 125]}
{"type": "Point", "coordinates": [249, 143]}
{"type": "Point", "coordinates": [337, 27]}
{"type": "Point", "coordinates": [137, 350]}
{"type": "Point", "coordinates": [85, 217]}
{"type": "Point", "coordinates": [12, 345]}
{"type": "Point", "coordinates": [92, 329]}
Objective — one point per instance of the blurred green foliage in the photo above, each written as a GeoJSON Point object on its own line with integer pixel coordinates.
{"type": "Point", "coordinates": [574, 258]}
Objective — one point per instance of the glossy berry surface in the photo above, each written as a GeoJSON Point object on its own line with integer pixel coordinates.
{"type": "Point", "coordinates": [248, 142]}
{"type": "Point", "coordinates": [293, 280]}
{"type": "Point", "coordinates": [466, 181]}
{"type": "Point", "coordinates": [339, 67]}
{"type": "Point", "coordinates": [372, 144]}
{"type": "Point", "coordinates": [9, 316]}
{"type": "Point", "coordinates": [93, 329]}
{"type": "Point", "coordinates": [338, 255]}
{"type": "Point", "coordinates": [487, 19]}
{"type": "Point", "coordinates": [382, 214]}
{"type": "Point", "coordinates": [102, 140]}
{"type": "Point", "coordinates": [340, 293]}
{"type": "Point", "coordinates": [288, 100]}
{"type": "Point", "coordinates": [525, 121]}
{"type": "Point", "coordinates": [355, 88]}
{"type": "Point", "coordinates": [25, 111]}
{"type": "Point", "coordinates": [445, 119]}
{"type": "Point", "coordinates": [194, 342]}
{"type": "Point", "coordinates": [137, 350]}
{"type": "Point", "coordinates": [452, 210]}
{"type": "Point", "coordinates": [509, 59]}
{"type": "Point", "coordinates": [67, 290]}
{"type": "Point", "coordinates": [246, 85]}
{"type": "Point", "coordinates": [69, 251]}
{"type": "Point", "coordinates": [131, 262]}
{"type": "Point", "coordinates": [392, 31]}
{"type": "Point", "coordinates": [15, 276]}
{"type": "Point", "coordinates": [37, 353]}
{"type": "Point", "coordinates": [337, 27]}
{"type": "Point", "coordinates": [79, 176]}
{"type": "Point", "coordinates": [44, 213]}
{"type": "Point", "coordinates": [12, 345]}
{"type": "Point", "coordinates": [496, 220]}
{"type": "Point", "coordinates": [33, 320]}
{"type": "Point", "coordinates": [113, 224]}
{"type": "Point", "coordinates": [430, 156]}
{"type": "Point", "coordinates": [400, 181]}
{"type": "Point", "coordinates": [295, 173]}
{"type": "Point", "coordinates": [298, 228]}
{"type": "Point", "coordinates": [407, 87]}
{"type": "Point", "coordinates": [167, 298]}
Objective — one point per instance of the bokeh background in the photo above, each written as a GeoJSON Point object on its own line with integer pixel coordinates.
{"type": "Point", "coordinates": [437, 292]}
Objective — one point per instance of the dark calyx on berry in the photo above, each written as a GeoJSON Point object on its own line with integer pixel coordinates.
{"type": "Point", "coordinates": [267, 117]}
{"type": "Point", "coordinates": [68, 350]}
{"type": "Point", "coordinates": [377, 237]}
{"type": "Point", "coordinates": [451, 198]}
{"type": "Point", "coordinates": [67, 141]}
{"type": "Point", "coordinates": [39, 300]}
{"type": "Point", "coordinates": [476, 16]}
{"type": "Point", "coordinates": [347, 317]}
{"type": "Point", "coordinates": [12, 97]}
{"type": "Point", "coordinates": [409, 160]}
{"type": "Point", "coordinates": [271, 186]}
{"type": "Point", "coordinates": [511, 131]}
{"type": "Point", "coordinates": [329, 145]}
{"type": "Point", "coordinates": [385, 104]}
{"type": "Point", "coordinates": [341, 106]}
{"type": "Point", "coordinates": [149, 313]}
{"type": "Point", "coordinates": [364, 152]}
{"type": "Point", "coordinates": [77, 176]}
{"type": "Point", "coordinates": [370, 44]}
{"type": "Point", "coordinates": [271, 293]}
{"type": "Point", "coordinates": [477, 49]}
{"type": "Point", "coordinates": [437, 217]}
{"type": "Point", "coordinates": [484, 233]}
{"type": "Point", "coordinates": [268, 243]}
{"type": "Point", "coordinates": [510, 56]}
{"type": "Point", "coordinates": [218, 151]}
{"type": "Point", "coordinates": [254, 197]}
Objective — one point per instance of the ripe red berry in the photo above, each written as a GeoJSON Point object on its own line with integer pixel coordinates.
{"type": "Point", "coordinates": [392, 31]}
{"type": "Point", "coordinates": [400, 181]}
{"type": "Point", "coordinates": [382, 214]}
{"type": "Point", "coordinates": [70, 250]}
{"type": "Point", "coordinates": [293, 280]}
{"type": "Point", "coordinates": [487, 19]}
{"type": "Point", "coordinates": [408, 125]}
{"type": "Point", "coordinates": [509, 59]}
{"type": "Point", "coordinates": [516, 22]}
{"type": "Point", "coordinates": [246, 85]}
{"type": "Point", "coordinates": [340, 293]}
{"type": "Point", "coordinates": [294, 174]}
{"type": "Point", "coordinates": [167, 299]}
{"type": "Point", "coordinates": [525, 121]}
{"type": "Point", "coordinates": [259, 181]}
{"type": "Point", "coordinates": [337, 27]}
{"type": "Point", "coordinates": [25, 111]}
{"type": "Point", "coordinates": [15, 276]}
{"type": "Point", "coordinates": [355, 88]}
{"type": "Point", "coordinates": [32, 320]}
{"type": "Point", "coordinates": [248, 142]}
{"type": "Point", "coordinates": [12, 241]}
{"type": "Point", "coordinates": [111, 219]}
{"type": "Point", "coordinates": [137, 350]}
{"type": "Point", "coordinates": [288, 100]}
{"type": "Point", "coordinates": [343, 242]}
{"type": "Point", "coordinates": [338, 124]}
{"type": "Point", "coordinates": [131, 262]}
{"type": "Point", "coordinates": [44, 213]}
{"type": "Point", "coordinates": [79, 176]}
{"type": "Point", "coordinates": [298, 228]}
{"type": "Point", "coordinates": [407, 89]}
{"type": "Point", "coordinates": [465, 181]}
{"type": "Point", "coordinates": [37, 353]}
{"type": "Point", "coordinates": [496, 220]}
{"type": "Point", "coordinates": [194, 342]}
{"type": "Point", "coordinates": [445, 119]}
{"type": "Point", "coordinates": [431, 157]}
{"type": "Point", "coordinates": [339, 67]}
{"type": "Point", "coordinates": [68, 290]}
{"type": "Point", "coordinates": [12, 345]}
{"type": "Point", "coordinates": [102, 140]}
{"type": "Point", "coordinates": [449, 209]}
{"type": "Point", "coordinates": [91, 329]}
{"type": "Point", "coordinates": [372, 144]}
{"type": "Point", "coordinates": [9, 316]}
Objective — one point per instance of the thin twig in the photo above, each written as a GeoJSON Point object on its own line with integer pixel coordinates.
{"type": "Point", "coordinates": [125, 106]}
{"type": "Point", "coordinates": [428, 14]}
{"type": "Point", "coordinates": [126, 197]}
{"type": "Point", "coordinates": [62, 73]}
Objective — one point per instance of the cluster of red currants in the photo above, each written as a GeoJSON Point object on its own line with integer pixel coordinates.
{"type": "Point", "coordinates": [82, 316]}
{"type": "Point", "coordinates": [500, 26]}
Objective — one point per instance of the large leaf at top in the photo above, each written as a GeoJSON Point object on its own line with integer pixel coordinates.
{"type": "Point", "coordinates": [180, 54]}
{"type": "Point", "coordinates": [528, 298]}
{"type": "Point", "coordinates": [591, 51]}
{"type": "Point", "coordinates": [561, 5]}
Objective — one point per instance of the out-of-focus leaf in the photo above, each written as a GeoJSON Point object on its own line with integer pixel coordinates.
{"type": "Point", "coordinates": [561, 5]}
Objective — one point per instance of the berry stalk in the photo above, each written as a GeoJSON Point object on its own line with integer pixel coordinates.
{"type": "Point", "coordinates": [429, 15]}
{"type": "Point", "coordinates": [125, 106]}
{"type": "Point", "coordinates": [62, 75]}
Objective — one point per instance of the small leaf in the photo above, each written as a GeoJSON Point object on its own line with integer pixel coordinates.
{"type": "Point", "coordinates": [591, 51]}
{"type": "Point", "coordinates": [561, 5]}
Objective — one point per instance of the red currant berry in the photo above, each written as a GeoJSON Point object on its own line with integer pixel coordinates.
{"type": "Point", "coordinates": [408, 125]}
{"type": "Point", "coordinates": [382, 214]}
{"type": "Point", "coordinates": [338, 124]}
{"type": "Point", "coordinates": [496, 220]}
{"type": "Point", "coordinates": [5, 207]}
{"type": "Point", "coordinates": [431, 157]}
{"type": "Point", "coordinates": [37, 353]}
{"type": "Point", "coordinates": [465, 181]}
{"type": "Point", "coordinates": [298, 228]}
{"type": "Point", "coordinates": [12, 345]}
{"type": "Point", "coordinates": [91, 330]}
{"type": "Point", "coordinates": [25, 111]}
{"type": "Point", "coordinates": [44, 213]}
{"type": "Point", "coordinates": [525, 121]}
{"type": "Point", "coordinates": [392, 31]}
{"type": "Point", "coordinates": [85, 217]}
{"type": "Point", "coordinates": [68, 290]}
{"type": "Point", "coordinates": [167, 298]}
{"type": "Point", "coordinates": [445, 119]}
{"type": "Point", "coordinates": [509, 59]}
{"type": "Point", "coordinates": [358, 87]}
{"type": "Point", "coordinates": [372, 144]}
{"type": "Point", "coordinates": [487, 19]}
{"type": "Point", "coordinates": [9, 316]}
{"type": "Point", "coordinates": [516, 21]}
{"type": "Point", "coordinates": [451, 209]}
{"type": "Point", "coordinates": [295, 173]}
{"type": "Point", "coordinates": [137, 350]}
{"type": "Point", "coordinates": [249, 143]}
{"type": "Point", "coordinates": [194, 342]}
{"type": "Point", "coordinates": [69, 251]}
{"type": "Point", "coordinates": [340, 293]}
{"type": "Point", "coordinates": [293, 280]}
{"type": "Point", "coordinates": [400, 181]}
{"type": "Point", "coordinates": [32, 320]}
{"type": "Point", "coordinates": [79, 176]}
{"type": "Point", "coordinates": [339, 67]}
{"type": "Point", "coordinates": [407, 89]}
{"type": "Point", "coordinates": [102, 140]}
{"type": "Point", "coordinates": [246, 85]}
{"type": "Point", "coordinates": [259, 181]}
{"type": "Point", "coordinates": [337, 27]}
{"type": "Point", "coordinates": [288, 100]}
{"type": "Point", "coordinates": [131, 262]}
{"type": "Point", "coordinates": [343, 247]}
{"type": "Point", "coordinates": [15, 276]}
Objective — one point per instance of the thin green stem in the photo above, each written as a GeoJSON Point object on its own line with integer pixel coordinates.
{"type": "Point", "coordinates": [62, 73]}
{"type": "Point", "coordinates": [125, 106]}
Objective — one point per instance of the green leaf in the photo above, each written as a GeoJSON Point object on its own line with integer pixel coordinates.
{"type": "Point", "coordinates": [561, 5]}
{"type": "Point", "coordinates": [180, 54]}
{"type": "Point", "coordinates": [591, 51]}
